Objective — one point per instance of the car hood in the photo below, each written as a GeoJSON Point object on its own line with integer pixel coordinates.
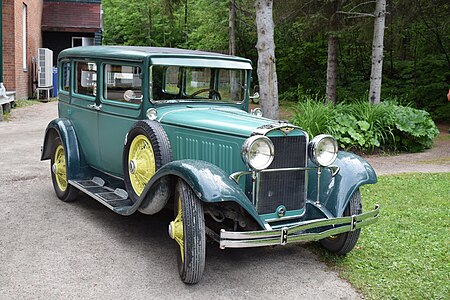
{"type": "Point", "coordinates": [220, 119]}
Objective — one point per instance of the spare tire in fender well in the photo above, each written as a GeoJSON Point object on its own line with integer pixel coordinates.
{"type": "Point", "coordinates": [147, 149]}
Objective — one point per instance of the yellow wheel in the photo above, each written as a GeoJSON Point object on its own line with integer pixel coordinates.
{"type": "Point", "coordinates": [141, 163]}
{"type": "Point", "coordinates": [176, 231]}
{"type": "Point", "coordinates": [58, 166]}
{"type": "Point", "coordinates": [146, 150]}
{"type": "Point", "coordinates": [188, 230]}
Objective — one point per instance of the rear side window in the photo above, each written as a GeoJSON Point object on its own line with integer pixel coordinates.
{"type": "Point", "coordinates": [86, 78]}
{"type": "Point", "coordinates": [122, 83]}
{"type": "Point", "coordinates": [65, 76]}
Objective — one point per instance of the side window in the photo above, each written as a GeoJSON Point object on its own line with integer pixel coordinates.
{"type": "Point", "coordinates": [123, 83]}
{"type": "Point", "coordinates": [164, 82]}
{"type": "Point", "coordinates": [86, 78]}
{"type": "Point", "coordinates": [65, 77]}
{"type": "Point", "coordinates": [171, 80]}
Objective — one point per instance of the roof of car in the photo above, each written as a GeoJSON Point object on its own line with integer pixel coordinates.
{"type": "Point", "coordinates": [141, 53]}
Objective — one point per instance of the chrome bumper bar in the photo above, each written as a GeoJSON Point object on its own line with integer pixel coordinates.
{"type": "Point", "coordinates": [296, 233]}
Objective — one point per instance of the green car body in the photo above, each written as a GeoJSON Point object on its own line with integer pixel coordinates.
{"type": "Point", "coordinates": [192, 107]}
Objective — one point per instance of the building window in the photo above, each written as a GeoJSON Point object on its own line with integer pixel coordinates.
{"type": "Point", "coordinates": [24, 36]}
{"type": "Point", "coordinates": [82, 41]}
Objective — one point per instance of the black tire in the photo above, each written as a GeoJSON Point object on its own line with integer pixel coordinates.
{"type": "Point", "coordinates": [161, 153]}
{"type": "Point", "coordinates": [343, 243]}
{"type": "Point", "coordinates": [64, 191]}
{"type": "Point", "coordinates": [190, 267]}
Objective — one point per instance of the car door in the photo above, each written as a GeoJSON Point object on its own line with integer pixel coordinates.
{"type": "Point", "coordinates": [83, 109]}
{"type": "Point", "coordinates": [121, 101]}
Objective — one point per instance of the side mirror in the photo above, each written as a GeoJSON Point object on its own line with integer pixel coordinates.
{"type": "Point", "coordinates": [129, 95]}
{"type": "Point", "coordinates": [255, 98]}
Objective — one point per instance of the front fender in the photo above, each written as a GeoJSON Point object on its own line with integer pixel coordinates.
{"type": "Point", "coordinates": [335, 192]}
{"type": "Point", "coordinates": [64, 129]}
{"type": "Point", "coordinates": [210, 183]}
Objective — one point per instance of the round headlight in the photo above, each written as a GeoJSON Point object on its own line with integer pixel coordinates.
{"type": "Point", "coordinates": [323, 150]}
{"type": "Point", "coordinates": [258, 152]}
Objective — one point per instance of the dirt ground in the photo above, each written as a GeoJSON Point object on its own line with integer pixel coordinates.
{"type": "Point", "coordinates": [434, 160]}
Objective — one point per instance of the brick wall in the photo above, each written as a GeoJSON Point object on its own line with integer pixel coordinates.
{"type": "Point", "coordinates": [15, 77]}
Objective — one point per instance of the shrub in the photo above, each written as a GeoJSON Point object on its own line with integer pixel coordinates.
{"type": "Point", "coordinates": [415, 130]}
{"type": "Point", "coordinates": [365, 127]}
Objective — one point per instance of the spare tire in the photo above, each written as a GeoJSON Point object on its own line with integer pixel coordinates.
{"type": "Point", "coordinates": [147, 148]}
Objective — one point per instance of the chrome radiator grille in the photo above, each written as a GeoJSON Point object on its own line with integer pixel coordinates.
{"type": "Point", "coordinates": [284, 187]}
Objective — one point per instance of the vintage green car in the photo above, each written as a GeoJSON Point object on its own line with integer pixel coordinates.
{"type": "Point", "coordinates": [143, 129]}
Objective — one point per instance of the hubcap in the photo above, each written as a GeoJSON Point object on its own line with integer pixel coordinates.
{"type": "Point", "coordinates": [141, 163]}
{"type": "Point", "coordinates": [132, 167]}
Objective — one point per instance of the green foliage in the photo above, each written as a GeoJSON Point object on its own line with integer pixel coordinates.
{"type": "Point", "coordinates": [314, 115]}
{"type": "Point", "coordinates": [365, 127]}
{"type": "Point", "coordinates": [415, 130]}
{"type": "Point", "coordinates": [405, 254]}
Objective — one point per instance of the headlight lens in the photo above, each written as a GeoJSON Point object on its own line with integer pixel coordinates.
{"type": "Point", "coordinates": [323, 150]}
{"type": "Point", "coordinates": [258, 152]}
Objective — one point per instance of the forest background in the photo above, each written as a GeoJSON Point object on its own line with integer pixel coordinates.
{"type": "Point", "coordinates": [416, 67]}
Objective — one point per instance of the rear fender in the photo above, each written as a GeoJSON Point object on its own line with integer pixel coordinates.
{"type": "Point", "coordinates": [74, 161]}
{"type": "Point", "coordinates": [336, 191]}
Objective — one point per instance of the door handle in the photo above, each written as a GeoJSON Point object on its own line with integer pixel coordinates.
{"type": "Point", "coordinates": [94, 106]}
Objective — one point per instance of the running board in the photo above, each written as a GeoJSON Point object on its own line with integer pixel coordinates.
{"type": "Point", "coordinates": [115, 199]}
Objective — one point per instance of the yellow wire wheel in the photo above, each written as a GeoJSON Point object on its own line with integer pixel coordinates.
{"type": "Point", "coordinates": [141, 163]}
{"type": "Point", "coordinates": [188, 231]}
{"type": "Point", "coordinates": [60, 168]}
{"type": "Point", "coordinates": [146, 149]}
{"type": "Point", "coordinates": [59, 173]}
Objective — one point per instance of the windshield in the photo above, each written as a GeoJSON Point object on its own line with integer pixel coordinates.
{"type": "Point", "coordinates": [197, 84]}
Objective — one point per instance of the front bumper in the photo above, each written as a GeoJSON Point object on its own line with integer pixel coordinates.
{"type": "Point", "coordinates": [297, 233]}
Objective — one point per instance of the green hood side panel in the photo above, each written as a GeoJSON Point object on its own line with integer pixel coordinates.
{"type": "Point", "coordinates": [335, 192]}
{"type": "Point", "coordinates": [210, 183]}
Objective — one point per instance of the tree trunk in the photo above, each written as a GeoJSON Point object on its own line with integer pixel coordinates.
{"type": "Point", "coordinates": [232, 47]}
{"type": "Point", "coordinates": [332, 68]}
{"type": "Point", "coordinates": [267, 75]}
{"type": "Point", "coordinates": [377, 52]}
{"type": "Point", "coordinates": [232, 28]}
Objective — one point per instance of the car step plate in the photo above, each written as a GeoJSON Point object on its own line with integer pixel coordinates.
{"type": "Point", "coordinates": [95, 187]}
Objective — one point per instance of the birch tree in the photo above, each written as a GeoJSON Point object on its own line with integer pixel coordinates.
{"type": "Point", "coordinates": [332, 61]}
{"type": "Point", "coordinates": [267, 75]}
{"type": "Point", "coordinates": [377, 52]}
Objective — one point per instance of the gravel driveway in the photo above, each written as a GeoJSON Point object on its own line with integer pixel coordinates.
{"type": "Point", "coordinates": [82, 250]}
{"type": "Point", "coordinates": [55, 250]}
{"type": "Point", "coordinates": [434, 160]}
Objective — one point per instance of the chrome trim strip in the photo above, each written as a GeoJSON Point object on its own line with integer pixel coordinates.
{"type": "Point", "coordinates": [237, 175]}
{"type": "Point", "coordinates": [246, 239]}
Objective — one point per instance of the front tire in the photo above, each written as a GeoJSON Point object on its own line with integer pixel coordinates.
{"type": "Point", "coordinates": [343, 243]}
{"type": "Point", "coordinates": [58, 170]}
{"type": "Point", "coordinates": [188, 230]}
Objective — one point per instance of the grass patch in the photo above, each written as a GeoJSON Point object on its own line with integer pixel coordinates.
{"type": "Point", "coordinates": [25, 102]}
{"type": "Point", "coordinates": [405, 255]}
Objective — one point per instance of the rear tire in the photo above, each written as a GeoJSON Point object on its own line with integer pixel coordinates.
{"type": "Point", "coordinates": [58, 171]}
{"type": "Point", "coordinates": [188, 230]}
{"type": "Point", "coordinates": [343, 243]}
